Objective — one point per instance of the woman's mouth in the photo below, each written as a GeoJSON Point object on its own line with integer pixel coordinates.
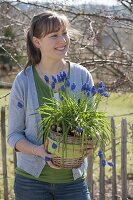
{"type": "Point", "coordinates": [60, 48]}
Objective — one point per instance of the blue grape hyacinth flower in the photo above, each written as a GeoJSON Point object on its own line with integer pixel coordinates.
{"type": "Point", "coordinates": [54, 146]}
{"type": "Point", "coordinates": [101, 85]}
{"type": "Point", "coordinates": [46, 78]}
{"type": "Point", "coordinates": [53, 85]}
{"type": "Point", "coordinates": [68, 83]}
{"type": "Point", "coordinates": [103, 163]}
{"type": "Point", "coordinates": [79, 129]}
{"type": "Point", "coordinates": [73, 86]}
{"type": "Point", "coordinates": [63, 88]}
{"type": "Point", "coordinates": [111, 164]}
{"type": "Point", "coordinates": [93, 90]}
{"type": "Point", "coordinates": [100, 153]}
{"type": "Point", "coordinates": [54, 79]}
{"type": "Point", "coordinates": [61, 98]}
{"type": "Point", "coordinates": [59, 78]}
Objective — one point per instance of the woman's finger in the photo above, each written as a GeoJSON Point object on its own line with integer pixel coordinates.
{"type": "Point", "coordinates": [52, 165]}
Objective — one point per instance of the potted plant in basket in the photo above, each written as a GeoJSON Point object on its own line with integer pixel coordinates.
{"type": "Point", "coordinates": [72, 121]}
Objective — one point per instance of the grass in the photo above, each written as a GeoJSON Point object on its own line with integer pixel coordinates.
{"type": "Point", "coordinates": [118, 105]}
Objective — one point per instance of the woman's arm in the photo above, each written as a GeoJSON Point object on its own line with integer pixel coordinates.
{"type": "Point", "coordinates": [27, 147]}
{"type": "Point", "coordinates": [16, 124]}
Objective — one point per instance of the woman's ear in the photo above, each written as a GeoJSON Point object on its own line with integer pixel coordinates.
{"type": "Point", "coordinates": [36, 42]}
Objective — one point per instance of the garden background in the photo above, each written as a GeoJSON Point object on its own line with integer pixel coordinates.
{"type": "Point", "coordinates": [101, 40]}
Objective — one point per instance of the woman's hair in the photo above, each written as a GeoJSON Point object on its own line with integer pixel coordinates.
{"type": "Point", "coordinates": [42, 25]}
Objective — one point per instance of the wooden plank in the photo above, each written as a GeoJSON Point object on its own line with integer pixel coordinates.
{"type": "Point", "coordinates": [3, 150]}
{"type": "Point", "coordinates": [5, 85]}
{"type": "Point", "coordinates": [102, 179]}
{"type": "Point", "coordinates": [114, 184]}
{"type": "Point", "coordinates": [90, 174]}
{"type": "Point", "coordinates": [124, 158]}
{"type": "Point", "coordinates": [102, 183]}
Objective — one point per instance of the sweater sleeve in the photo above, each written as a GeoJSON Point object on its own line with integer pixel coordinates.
{"type": "Point", "coordinates": [16, 113]}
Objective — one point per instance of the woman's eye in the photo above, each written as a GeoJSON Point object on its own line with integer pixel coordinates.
{"type": "Point", "coordinates": [54, 35]}
{"type": "Point", "coordinates": [65, 33]}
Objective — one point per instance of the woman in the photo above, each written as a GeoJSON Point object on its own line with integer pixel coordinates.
{"type": "Point", "coordinates": [36, 176]}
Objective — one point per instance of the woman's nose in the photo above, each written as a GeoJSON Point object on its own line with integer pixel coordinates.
{"type": "Point", "coordinates": [62, 39]}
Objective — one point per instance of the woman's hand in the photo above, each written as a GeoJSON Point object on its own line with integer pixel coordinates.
{"type": "Point", "coordinates": [41, 151]}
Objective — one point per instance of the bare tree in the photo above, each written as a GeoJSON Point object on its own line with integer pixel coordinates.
{"type": "Point", "coordinates": [101, 37]}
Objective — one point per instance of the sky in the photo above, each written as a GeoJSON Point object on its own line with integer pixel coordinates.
{"type": "Point", "coordinates": [104, 2]}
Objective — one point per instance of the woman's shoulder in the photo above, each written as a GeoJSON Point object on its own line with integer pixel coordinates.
{"type": "Point", "coordinates": [79, 68]}
{"type": "Point", "coordinates": [80, 73]}
{"type": "Point", "coordinates": [21, 78]}
{"type": "Point", "coordinates": [22, 75]}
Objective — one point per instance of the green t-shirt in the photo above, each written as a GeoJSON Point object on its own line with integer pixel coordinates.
{"type": "Point", "coordinates": [48, 174]}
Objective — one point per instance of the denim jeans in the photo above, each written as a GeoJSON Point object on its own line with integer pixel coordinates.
{"type": "Point", "coordinates": [30, 189]}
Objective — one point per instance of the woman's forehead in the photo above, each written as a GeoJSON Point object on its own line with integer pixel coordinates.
{"type": "Point", "coordinates": [61, 29]}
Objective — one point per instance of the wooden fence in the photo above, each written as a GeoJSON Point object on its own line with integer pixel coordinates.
{"type": "Point", "coordinates": [102, 184]}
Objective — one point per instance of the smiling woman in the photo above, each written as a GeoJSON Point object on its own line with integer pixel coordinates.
{"type": "Point", "coordinates": [37, 177]}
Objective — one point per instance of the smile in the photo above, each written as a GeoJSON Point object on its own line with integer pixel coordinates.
{"type": "Point", "coordinates": [60, 48]}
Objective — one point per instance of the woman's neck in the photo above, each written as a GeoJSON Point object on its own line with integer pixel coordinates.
{"type": "Point", "coordinates": [51, 68]}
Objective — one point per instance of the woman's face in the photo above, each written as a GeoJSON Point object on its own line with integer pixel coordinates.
{"type": "Point", "coordinates": [54, 45]}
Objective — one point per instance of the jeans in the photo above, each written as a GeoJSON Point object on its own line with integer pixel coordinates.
{"type": "Point", "coordinates": [30, 189]}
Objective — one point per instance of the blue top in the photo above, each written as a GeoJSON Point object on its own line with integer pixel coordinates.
{"type": "Point", "coordinates": [23, 123]}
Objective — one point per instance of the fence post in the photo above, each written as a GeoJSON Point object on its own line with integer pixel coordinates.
{"type": "Point", "coordinates": [3, 150]}
{"type": "Point", "coordinates": [114, 184]}
{"type": "Point", "coordinates": [90, 174]}
{"type": "Point", "coordinates": [102, 180]}
{"type": "Point", "coordinates": [124, 158]}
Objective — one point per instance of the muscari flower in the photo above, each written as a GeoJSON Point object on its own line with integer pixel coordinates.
{"type": "Point", "coordinates": [54, 146]}
{"type": "Point", "coordinates": [100, 90]}
{"type": "Point", "coordinates": [73, 86]}
{"type": "Point", "coordinates": [105, 94]}
{"type": "Point", "coordinates": [110, 164]}
{"type": "Point", "coordinates": [79, 129]}
{"type": "Point", "coordinates": [68, 83]}
{"type": "Point", "coordinates": [101, 85]}
{"type": "Point", "coordinates": [20, 105]}
{"type": "Point", "coordinates": [64, 74]}
{"type": "Point", "coordinates": [103, 163]}
{"type": "Point", "coordinates": [46, 78]}
{"type": "Point", "coordinates": [61, 75]}
{"type": "Point", "coordinates": [88, 88]}
{"type": "Point", "coordinates": [54, 79]}
{"type": "Point", "coordinates": [53, 85]}
{"type": "Point", "coordinates": [93, 90]}
{"type": "Point", "coordinates": [59, 78]}
{"type": "Point", "coordinates": [100, 153]}
{"type": "Point", "coordinates": [63, 88]}
{"type": "Point", "coordinates": [62, 98]}
{"type": "Point", "coordinates": [83, 87]}
{"type": "Point", "coordinates": [47, 158]}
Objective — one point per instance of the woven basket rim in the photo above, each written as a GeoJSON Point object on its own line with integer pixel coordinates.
{"type": "Point", "coordinates": [76, 140]}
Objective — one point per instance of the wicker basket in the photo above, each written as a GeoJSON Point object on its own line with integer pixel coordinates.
{"type": "Point", "coordinates": [69, 155]}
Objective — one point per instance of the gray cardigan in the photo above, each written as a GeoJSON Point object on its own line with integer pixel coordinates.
{"type": "Point", "coordinates": [23, 125]}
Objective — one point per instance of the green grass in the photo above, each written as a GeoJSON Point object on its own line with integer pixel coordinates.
{"type": "Point", "coordinates": [4, 100]}
{"type": "Point", "coordinates": [118, 105]}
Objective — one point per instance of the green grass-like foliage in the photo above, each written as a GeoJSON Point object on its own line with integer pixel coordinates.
{"type": "Point", "coordinates": [75, 113]}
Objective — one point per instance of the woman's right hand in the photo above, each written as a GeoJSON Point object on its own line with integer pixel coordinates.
{"type": "Point", "coordinates": [41, 151]}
